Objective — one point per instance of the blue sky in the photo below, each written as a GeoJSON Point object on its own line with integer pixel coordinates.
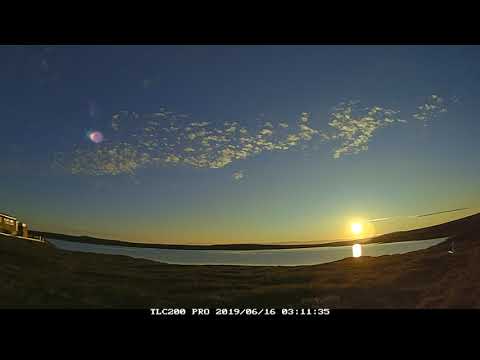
{"type": "Point", "coordinates": [417, 161]}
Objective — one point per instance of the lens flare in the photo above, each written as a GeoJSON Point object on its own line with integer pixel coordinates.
{"type": "Point", "coordinates": [95, 136]}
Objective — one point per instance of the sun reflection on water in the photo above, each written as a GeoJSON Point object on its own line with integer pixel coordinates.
{"type": "Point", "coordinates": [357, 250]}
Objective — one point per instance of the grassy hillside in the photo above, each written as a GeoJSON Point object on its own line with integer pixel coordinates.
{"type": "Point", "coordinates": [33, 275]}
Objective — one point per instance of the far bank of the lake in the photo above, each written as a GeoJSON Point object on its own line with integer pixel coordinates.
{"type": "Point", "coordinates": [432, 232]}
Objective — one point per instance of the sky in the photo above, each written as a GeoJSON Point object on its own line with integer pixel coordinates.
{"type": "Point", "coordinates": [238, 144]}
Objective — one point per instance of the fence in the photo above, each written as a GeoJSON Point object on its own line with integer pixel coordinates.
{"type": "Point", "coordinates": [36, 238]}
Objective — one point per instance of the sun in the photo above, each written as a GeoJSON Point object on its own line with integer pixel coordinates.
{"type": "Point", "coordinates": [357, 228]}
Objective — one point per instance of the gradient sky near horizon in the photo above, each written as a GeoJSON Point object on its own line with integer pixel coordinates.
{"type": "Point", "coordinates": [236, 144]}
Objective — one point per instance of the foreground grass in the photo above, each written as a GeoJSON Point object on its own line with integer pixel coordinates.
{"type": "Point", "coordinates": [39, 276]}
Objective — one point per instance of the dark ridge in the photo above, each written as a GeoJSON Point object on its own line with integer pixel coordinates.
{"type": "Point", "coordinates": [448, 229]}
{"type": "Point", "coordinates": [452, 228]}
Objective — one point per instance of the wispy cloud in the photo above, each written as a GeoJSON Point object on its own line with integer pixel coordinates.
{"type": "Point", "coordinates": [173, 139]}
{"type": "Point", "coordinates": [353, 127]}
{"type": "Point", "coordinates": [440, 212]}
{"type": "Point", "coordinates": [380, 219]}
{"type": "Point", "coordinates": [417, 216]}
{"type": "Point", "coordinates": [434, 106]}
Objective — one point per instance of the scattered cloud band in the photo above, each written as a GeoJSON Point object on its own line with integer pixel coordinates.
{"type": "Point", "coordinates": [135, 141]}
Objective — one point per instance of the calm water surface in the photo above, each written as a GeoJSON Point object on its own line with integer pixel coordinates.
{"type": "Point", "coordinates": [283, 257]}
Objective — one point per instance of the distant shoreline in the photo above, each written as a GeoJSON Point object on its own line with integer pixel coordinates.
{"type": "Point", "coordinates": [239, 247]}
{"type": "Point", "coordinates": [437, 231]}
{"type": "Point", "coordinates": [236, 247]}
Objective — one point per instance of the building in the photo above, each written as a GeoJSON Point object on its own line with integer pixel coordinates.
{"type": "Point", "coordinates": [10, 225]}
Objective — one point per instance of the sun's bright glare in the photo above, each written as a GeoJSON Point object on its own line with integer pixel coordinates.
{"type": "Point", "coordinates": [357, 228]}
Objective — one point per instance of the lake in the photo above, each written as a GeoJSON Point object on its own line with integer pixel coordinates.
{"type": "Point", "coordinates": [282, 257]}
